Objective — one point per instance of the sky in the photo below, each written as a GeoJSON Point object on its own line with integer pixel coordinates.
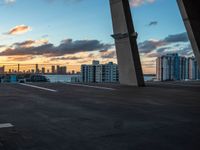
{"type": "Point", "coordinates": [75, 32]}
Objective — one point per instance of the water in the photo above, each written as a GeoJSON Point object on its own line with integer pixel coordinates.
{"type": "Point", "coordinates": [149, 78]}
{"type": "Point", "coordinates": [61, 78]}
{"type": "Point", "coordinates": [68, 78]}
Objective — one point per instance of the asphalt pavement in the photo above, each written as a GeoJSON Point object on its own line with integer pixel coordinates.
{"type": "Point", "coordinates": [58, 116]}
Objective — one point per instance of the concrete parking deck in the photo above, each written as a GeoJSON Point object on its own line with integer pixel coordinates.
{"type": "Point", "coordinates": [57, 116]}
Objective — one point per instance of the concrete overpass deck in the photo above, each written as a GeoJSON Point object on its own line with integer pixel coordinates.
{"type": "Point", "coordinates": [59, 116]}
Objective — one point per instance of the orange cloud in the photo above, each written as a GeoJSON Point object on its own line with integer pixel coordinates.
{"type": "Point", "coordinates": [20, 29]}
{"type": "Point", "coordinates": [20, 58]}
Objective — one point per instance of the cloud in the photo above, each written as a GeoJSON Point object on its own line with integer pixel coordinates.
{"type": "Point", "coordinates": [162, 49]}
{"type": "Point", "coordinates": [185, 50]}
{"type": "Point", "coordinates": [136, 3]}
{"type": "Point", "coordinates": [72, 1]}
{"type": "Point", "coordinates": [66, 58]}
{"type": "Point", "coordinates": [153, 23]}
{"type": "Point", "coordinates": [20, 58]}
{"type": "Point", "coordinates": [29, 43]}
{"type": "Point", "coordinates": [9, 1]}
{"type": "Point", "coordinates": [151, 45]}
{"type": "Point", "coordinates": [108, 54]}
{"type": "Point", "coordinates": [181, 37]}
{"type": "Point", "coordinates": [67, 46]}
{"type": "Point", "coordinates": [20, 29]}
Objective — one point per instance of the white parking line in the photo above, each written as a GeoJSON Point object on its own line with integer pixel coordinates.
{"type": "Point", "coordinates": [38, 87]}
{"type": "Point", "coordinates": [6, 125]}
{"type": "Point", "coordinates": [89, 86]}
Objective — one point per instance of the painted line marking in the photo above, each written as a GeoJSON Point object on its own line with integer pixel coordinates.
{"type": "Point", "coordinates": [90, 86]}
{"type": "Point", "coordinates": [38, 87]}
{"type": "Point", "coordinates": [6, 125]}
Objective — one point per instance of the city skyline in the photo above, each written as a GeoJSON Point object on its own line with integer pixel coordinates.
{"type": "Point", "coordinates": [61, 31]}
{"type": "Point", "coordinates": [37, 69]}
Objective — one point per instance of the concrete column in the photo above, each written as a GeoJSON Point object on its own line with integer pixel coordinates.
{"type": "Point", "coordinates": [130, 70]}
{"type": "Point", "coordinates": [191, 17]}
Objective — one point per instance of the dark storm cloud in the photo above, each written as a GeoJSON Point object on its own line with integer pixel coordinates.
{"type": "Point", "coordinates": [67, 46]}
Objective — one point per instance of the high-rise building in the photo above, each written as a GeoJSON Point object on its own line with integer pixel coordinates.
{"type": "Point", "coordinates": [53, 69]}
{"type": "Point", "coordinates": [43, 70]}
{"type": "Point", "coordinates": [107, 73]}
{"type": "Point", "coordinates": [183, 68]}
{"type": "Point", "coordinates": [18, 68]}
{"type": "Point", "coordinates": [37, 68]}
{"type": "Point", "coordinates": [100, 73]}
{"type": "Point", "coordinates": [186, 68]}
{"type": "Point", "coordinates": [88, 73]}
{"type": "Point", "coordinates": [57, 69]}
{"type": "Point", "coordinates": [2, 70]}
{"type": "Point", "coordinates": [61, 69]}
{"type": "Point", "coordinates": [193, 69]}
{"type": "Point", "coordinates": [174, 67]}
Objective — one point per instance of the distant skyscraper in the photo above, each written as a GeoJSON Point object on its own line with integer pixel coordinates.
{"type": "Point", "coordinates": [53, 69]}
{"type": "Point", "coordinates": [61, 69]}
{"type": "Point", "coordinates": [37, 68]}
{"type": "Point", "coordinates": [2, 70]}
{"type": "Point", "coordinates": [174, 67]}
{"type": "Point", "coordinates": [43, 70]}
{"type": "Point", "coordinates": [168, 67]}
{"type": "Point", "coordinates": [57, 69]}
{"type": "Point", "coordinates": [18, 68]}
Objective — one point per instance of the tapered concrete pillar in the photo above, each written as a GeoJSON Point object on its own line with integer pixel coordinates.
{"type": "Point", "coordinates": [130, 70]}
{"type": "Point", "coordinates": [191, 17]}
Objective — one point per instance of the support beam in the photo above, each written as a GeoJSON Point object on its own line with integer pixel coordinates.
{"type": "Point", "coordinates": [130, 70]}
{"type": "Point", "coordinates": [191, 17]}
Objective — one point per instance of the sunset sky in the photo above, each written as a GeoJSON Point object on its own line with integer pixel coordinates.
{"type": "Point", "coordinates": [74, 32]}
